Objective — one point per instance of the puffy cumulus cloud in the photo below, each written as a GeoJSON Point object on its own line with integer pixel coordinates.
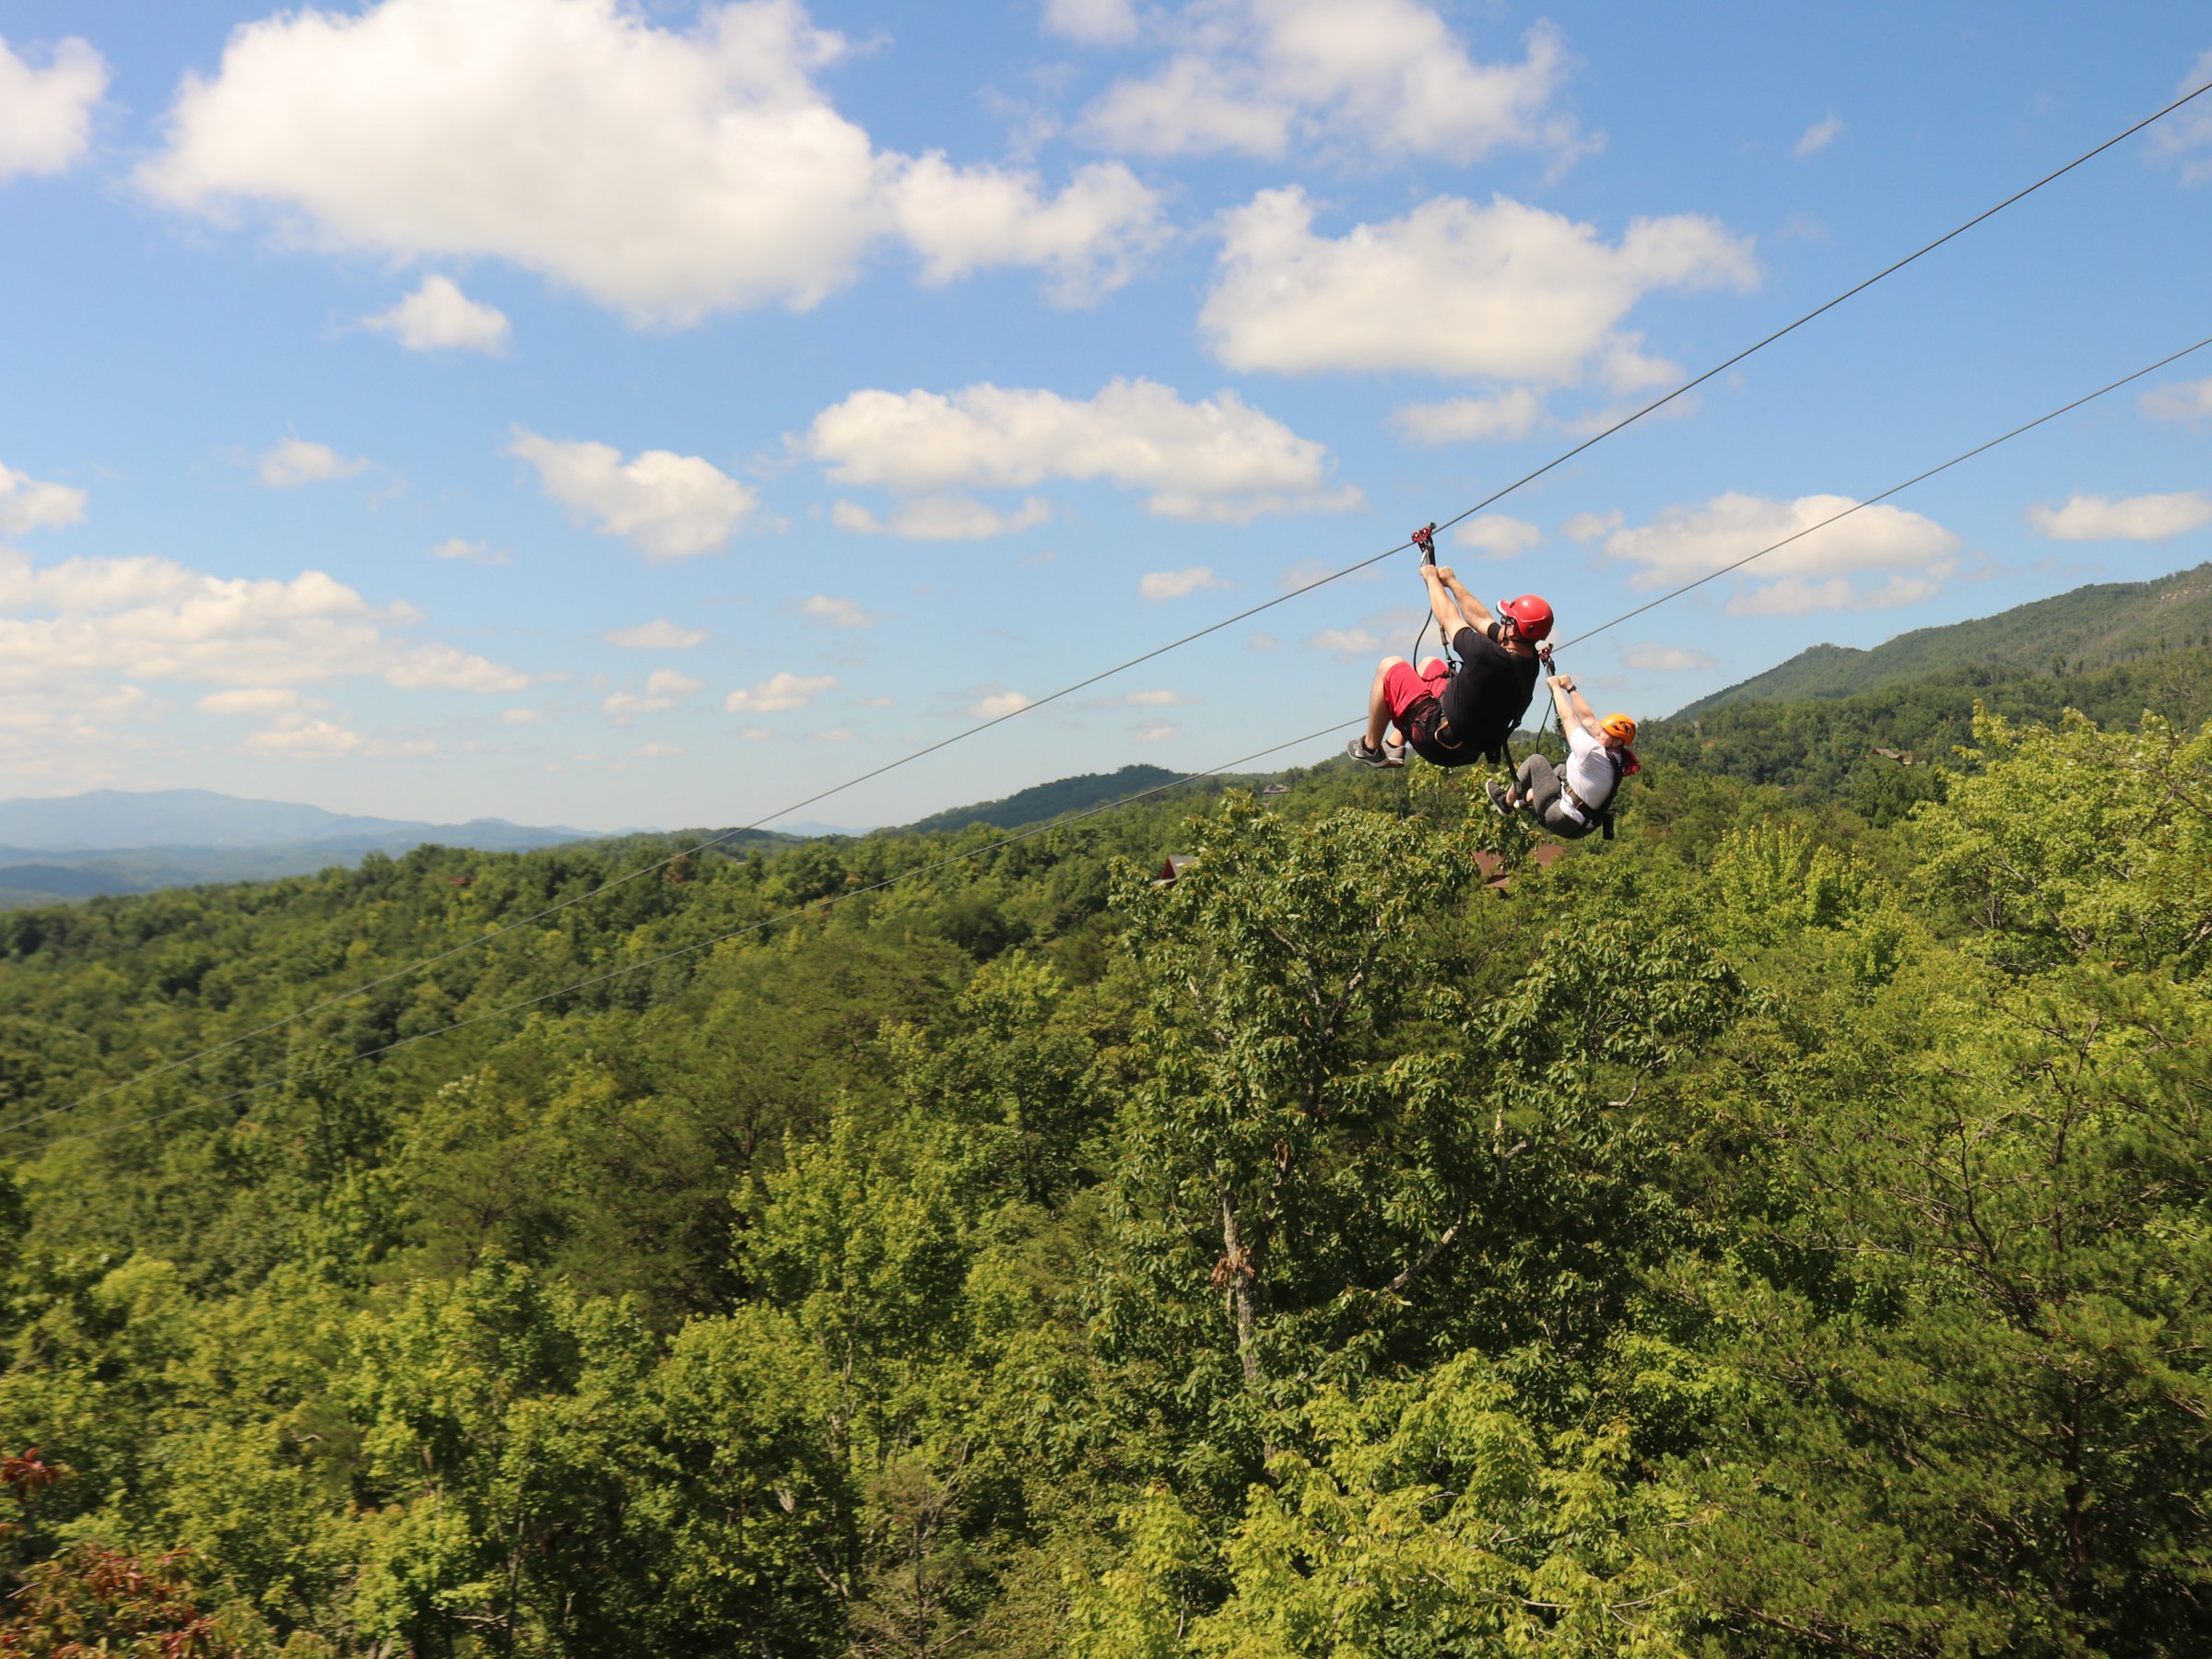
{"type": "Point", "coordinates": [449, 668]}
{"type": "Point", "coordinates": [521, 716]}
{"type": "Point", "coordinates": [259, 701]}
{"type": "Point", "coordinates": [1654, 658]}
{"type": "Point", "coordinates": [667, 174]}
{"type": "Point", "coordinates": [2132, 518]}
{"type": "Point", "coordinates": [1177, 584]}
{"type": "Point", "coordinates": [46, 113]}
{"type": "Point", "coordinates": [1498, 418]}
{"type": "Point", "coordinates": [439, 317]}
{"type": "Point", "coordinates": [1347, 642]}
{"type": "Point", "coordinates": [2184, 400]}
{"type": "Point", "coordinates": [1389, 78]}
{"type": "Point", "coordinates": [27, 503]}
{"type": "Point", "coordinates": [1497, 535]}
{"type": "Point", "coordinates": [1810, 569]}
{"type": "Point", "coordinates": [837, 613]}
{"type": "Point", "coordinates": [653, 751]}
{"type": "Point", "coordinates": [460, 549]}
{"type": "Point", "coordinates": [1157, 731]}
{"type": "Point", "coordinates": [665, 687]}
{"type": "Point", "coordinates": [2186, 136]}
{"type": "Point", "coordinates": [658, 635]}
{"type": "Point", "coordinates": [942, 518]}
{"type": "Point", "coordinates": [998, 705]}
{"type": "Point", "coordinates": [1505, 292]}
{"type": "Point", "coordinates": [663, 504]}
{"type": "Point", "coordinates": [296, 461]}
{"type": "Point", "coordinates": [304, 739]}
{"type": "Point", "coordinates": [778, 693]}
{"type": "Point", "coordinates": [1089, 238]}
{"type": "Point", "coordinates": [151, 619]}
{"type": "Point", "coordinates": [1092, 22]}
{"type": "Point", "coordinates": [1219, 455]}
{"type": "Point", "coordinates": [1818, 137]}
{"type": "Point", "coordinates": [1589, 526]}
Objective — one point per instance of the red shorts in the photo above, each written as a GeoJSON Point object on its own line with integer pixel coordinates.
{"type": "Point", "coordinates": [1402, 687]}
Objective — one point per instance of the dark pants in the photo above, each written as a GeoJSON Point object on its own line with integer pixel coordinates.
{"type": "Point", "coordinates": [1539, 784]}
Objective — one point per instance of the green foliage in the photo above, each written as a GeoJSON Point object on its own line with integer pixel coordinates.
{"type": "Point", "coordinates": [1782, 1232]}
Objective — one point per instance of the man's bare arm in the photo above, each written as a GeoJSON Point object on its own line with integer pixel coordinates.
{"type": "Point", "coordinates": [1442, 604]}
{"type": "Point", "coordinates": [1569, 701]}
{"type": "Point", "coordinates": [1472, 612]}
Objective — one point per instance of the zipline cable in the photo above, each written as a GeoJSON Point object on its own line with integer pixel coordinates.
{"type": "Point", "coordinates": [812, 908]}
{"type": "Point", "coordinates": [1893, 490]}
{"type": "Point", "coordinates": [907, 759]}
{"type": "Point", "coordinates": [615, 973]}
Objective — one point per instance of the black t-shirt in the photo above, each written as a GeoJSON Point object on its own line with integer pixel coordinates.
{"type": "Point", "coordinates": [1486, 698]}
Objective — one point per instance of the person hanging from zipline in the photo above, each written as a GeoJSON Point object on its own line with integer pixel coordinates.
{"type": "Point", "coordinates": [1457, 719]}
{"type": "Point", "coordinates": [1572, 800]}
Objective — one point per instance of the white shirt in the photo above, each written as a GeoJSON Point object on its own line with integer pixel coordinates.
{"type": "Point", "coordinates": [1590, 772]}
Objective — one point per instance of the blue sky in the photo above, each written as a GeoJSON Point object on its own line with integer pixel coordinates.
{"type": "Point", "coordinates": [649, 414]}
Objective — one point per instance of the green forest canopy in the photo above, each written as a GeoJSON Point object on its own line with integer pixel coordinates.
{"type": "Point", "coordinates": [1783, 1231]}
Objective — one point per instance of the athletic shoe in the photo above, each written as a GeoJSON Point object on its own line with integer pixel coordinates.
{"type": "Point", "coordinates": [1496, 791]}
{"type": "Point", "coordinates": [1359, 751]}
{"type": "Point", "coordinates": [1393, 752]}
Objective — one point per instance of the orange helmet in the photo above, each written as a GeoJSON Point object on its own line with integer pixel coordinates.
{"type": "Point", "coordinates": [1621, 726]}
{"type": "Point", "coordinates": [1530, 614]}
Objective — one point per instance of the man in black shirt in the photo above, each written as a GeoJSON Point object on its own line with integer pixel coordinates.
{"type": "Point", "coordinates": [1458, 719]}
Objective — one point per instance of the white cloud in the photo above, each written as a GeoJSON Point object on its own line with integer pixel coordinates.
{"type": "Point", "coordinates": [1158, 698]}
{"type": "Point", "coordinates": [1506, 291]}
{"type": "Point", "coordinates": [942, 518]}
{"type": "Point", "coordinates": [1818, 137]}
{"type": "Point", "coordinates": [1497, 535]}
{"type": "Point", "coordinates": [296, 461]}
{"type": "Point", "coordinates": [1194, 456]}
{"type": "Point", "coordinates": [326, 740]}
{"type": "Point", "coordinates": [46, 114]}
{"type": "Point", "coordinates": [656, 750]}
{"type": "Point", "coordinates": [27, 503]}
{"type": "Point", "coordinates": [258, 700]}
{"type": "Point", "coordinates": [753, 733]}
{"type": "Point", "coordinates": [2132, 518]}
{"type": "Point", "coordinates": [439, 317]}
{"type": "Point", "coordinates": [1347, 642]}
{"type": "Point", "coordinates": [663, 504]}
{"type": "Point", "coordinates": [1260, 641]}
{"type": "Point", "coordinates": [997, 705]}
{"type": "Point", "coordinates": [1498, 418]}
{"type": "Point", "coordinates": [155, 620]}
{"type": "Point", "coordinates": [1386, 77]}
{"type": "Point", "coordinates": [308, 740]}
{"type": "Point", "coordinates": [2187, 133]}
{"type": "Point", "coordinates": [1589, 526]}
{"type": "Point", "coordinates": [836, 734]}
{"type": "Point", "coordinates": [2184, 400]}
{"type": "Point", "coordinates": [1089, 238]}
{"type": "Point", "coordinates": [1177, 584]}
{"type": "Point", "coordinates": [778, 693]}
{"type": "Point", "coordinates": [1654, 658]}
{"type": "Point", "coordinates": [659, 635]}
{"type": "Point", "coordinates": [1157, 731]}
{"type": "Point", "coordinates": [1816, 573]}
{"type": "Point", "coordinates": [461, 549]}
{"type": "Point", "coordinates": [1092, 22]}
{"type": "Point", "coordinates": [521, 716]}
{"type": "Point", "coordinates": [667, 174]}
{"type": "Point", "coordinates": [665, 687]}
{"type": "Point", "coordinates": [837, 613]}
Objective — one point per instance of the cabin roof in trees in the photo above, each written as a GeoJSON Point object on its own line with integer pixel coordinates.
{"type": "Point", "coordinates": [1171, 868]}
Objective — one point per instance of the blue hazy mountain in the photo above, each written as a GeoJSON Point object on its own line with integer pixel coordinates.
{"type": "Point", "coordinates": [113, 841]}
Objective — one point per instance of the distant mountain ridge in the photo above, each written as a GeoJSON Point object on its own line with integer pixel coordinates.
{"type": "Point", "coordinates": [114, 820]}
{"type": "Point", "coordinates": [1034, 804]}
{"type": "Point", "coordinates": [2088, 629]}
{"type": "Point", "coordinates": [114, 841]}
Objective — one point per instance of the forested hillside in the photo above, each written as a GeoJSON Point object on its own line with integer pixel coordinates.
{"type": "Point", "coordinates": [2086, 629]}
{"type": "Point", "coordinates": [1774, 1232]}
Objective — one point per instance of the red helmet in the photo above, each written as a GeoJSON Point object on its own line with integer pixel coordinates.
{"type": "Point", "coordinates": [1530, 614]}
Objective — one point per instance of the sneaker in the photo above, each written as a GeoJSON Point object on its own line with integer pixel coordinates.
{"type": "Point", "coordinates": [1393, 752]}
{"type": "Point", "coordinates": [1359, 751]}
{"type": "Point", "coordinates": [1496, 791]}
